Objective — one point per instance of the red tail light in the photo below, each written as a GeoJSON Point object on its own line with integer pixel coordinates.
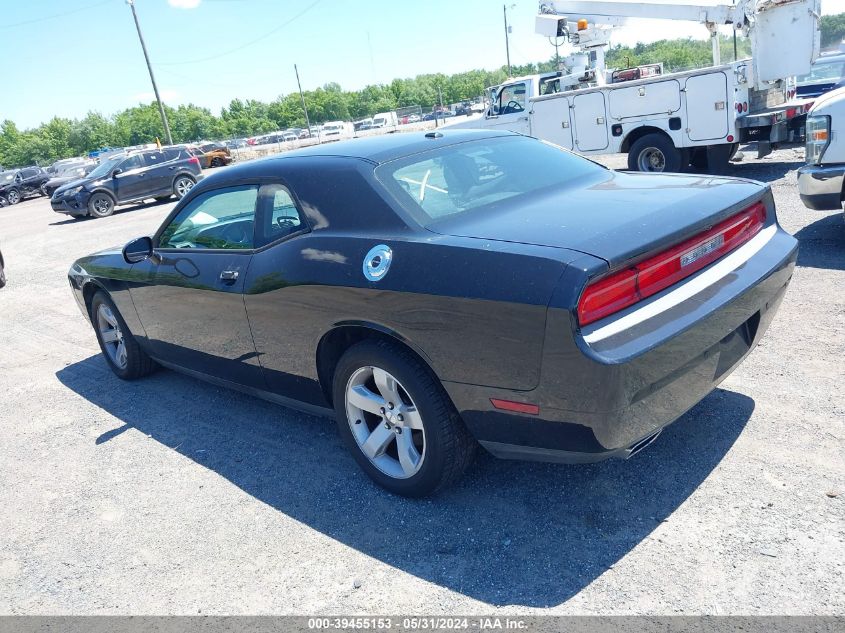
{"type": "Point", "coordinates": [626, 287]}
{"type": "Point", "coordinates": [193, 160]}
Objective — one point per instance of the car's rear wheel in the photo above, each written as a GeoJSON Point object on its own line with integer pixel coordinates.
{"type": "Point", "coordinates": [398, 421]}
{"type": "Point", "coordinates": [13, 196]}
{"type": "Point", "coordinates": [100, 205]}
{"type": "Point", "coordinates": [216, 162]}
{"type": "Point", "coordinates": [44, 190]}
{"type": "Point", "coordinates": [120, 349]}
{"type": "Point", "coordinates": [654, 153]}
{"type": "Point", "coordinates": [182, 185]}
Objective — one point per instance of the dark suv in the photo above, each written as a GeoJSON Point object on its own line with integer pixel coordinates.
{"type": "Point", "coordinates": [17, 184]}
{"type": "Point", "coordinates": [129, 178]}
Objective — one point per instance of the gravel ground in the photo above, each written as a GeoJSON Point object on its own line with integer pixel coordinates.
{"type": "Point", "coordinates": [170, 496]}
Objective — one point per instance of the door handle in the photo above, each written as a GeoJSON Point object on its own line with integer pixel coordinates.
{"type": "Point", "coordinates": [229, 276]}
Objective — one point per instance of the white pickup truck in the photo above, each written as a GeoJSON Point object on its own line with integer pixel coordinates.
{"type": "Point", "coordinates": [821, 182]}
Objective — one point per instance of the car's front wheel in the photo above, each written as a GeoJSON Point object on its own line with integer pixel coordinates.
{"type": "Point", "coordinates": [13, 196]}
{"type": "Point", "coordinates": [120, 349]}
{"type": "Point", "coordinates": [182, 185]}
{"type": "Point", "coordinates": [398, 421]}
{"type": "Point", "coordinates": [100, 205]}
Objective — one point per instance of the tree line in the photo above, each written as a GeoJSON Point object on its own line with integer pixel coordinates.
{"type": "Point", "coordinates": [62, 137]}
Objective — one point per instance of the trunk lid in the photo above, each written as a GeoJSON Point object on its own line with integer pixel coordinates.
{"type": "Point", "coordinates": [616, 217]}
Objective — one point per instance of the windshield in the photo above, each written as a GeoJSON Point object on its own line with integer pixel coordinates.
{"type": "Point", "coordinates": [106, 166]}
{"type": "Point", "coordinates": [480, 175]}
{"type": "Point", "coordinates": [823, 72]}
{"type": "Point", "coordinates": [7, 176]}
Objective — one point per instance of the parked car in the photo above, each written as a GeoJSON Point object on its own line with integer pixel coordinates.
{"type": "Point", "coordinates": [447, 289]}
{"type": "Point", "coordinates": [213, 155]}
{"type": "Point", "coordinates": [289, 137]}
{"type": "Point", "coordinates": [69, 174]}
{"type": "Point", "coordinates": [821, 182]}
{"type": "Point", "coordinates": [18, 184]}
{"type": "Point", "coordinates": [129, 178]}
{"type": "Point", "coordinates": [826, 74]}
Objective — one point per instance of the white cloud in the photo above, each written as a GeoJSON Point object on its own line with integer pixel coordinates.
{"type": "Point", "coordinates": [184, 4]}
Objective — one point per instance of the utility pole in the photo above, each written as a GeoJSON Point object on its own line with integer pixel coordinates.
{"type": "Point", "coordinates": [131, 4]}
{"type": "Point", "coordinates": [301, 96]}
{"type": "Point", "coordinates": [507, 42]}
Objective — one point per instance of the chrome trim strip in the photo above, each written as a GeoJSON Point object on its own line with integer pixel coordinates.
{"type": "Point", "coordinates": [719, 270]}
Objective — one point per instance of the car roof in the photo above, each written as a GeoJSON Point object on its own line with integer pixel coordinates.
{"type": "Point", "coordinates": [387, 147]}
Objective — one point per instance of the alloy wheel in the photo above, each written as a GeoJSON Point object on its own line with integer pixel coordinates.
{"type": "Point", "coordinates": [102, 205]}
{"type": "Point", "coordinates": [13, 197]}
{"type": "Point", "coordinates": [385, 422]}
{"type": "Point", "coordinates": [183, 186]}
{"type": "Point", "coordinates": [111, 335]}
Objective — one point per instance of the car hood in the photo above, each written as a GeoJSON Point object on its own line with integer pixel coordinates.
{"type": "Point", "coordinates": [75, 183]}
{"type": "Point", "coordinates": [615, 216]}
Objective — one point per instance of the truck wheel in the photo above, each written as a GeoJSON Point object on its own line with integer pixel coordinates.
{"type": "Point", "coordinates": [654, 152]}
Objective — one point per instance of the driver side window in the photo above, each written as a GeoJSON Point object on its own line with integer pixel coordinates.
{"type": "Point", "coordinates": [512, 99]}
{"type": "Point", "coordinates": [133, 162]}
{"type": "Point", "coordinates": [221, 219]}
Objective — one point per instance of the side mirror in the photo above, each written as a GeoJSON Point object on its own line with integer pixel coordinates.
{"type": "Point", "coordinates": [117, 171]}
{"type": "Point", "coordinates": [138, 250]}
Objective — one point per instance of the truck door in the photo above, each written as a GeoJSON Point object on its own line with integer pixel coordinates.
{"type": "Point", "coordinates": [510, 108]}
{"type": "Point", "coordinates": [550, 121]}
{"type": "Point", "coordinates": [707, 106]}
{"type": "Point", "coordinates": [590, 119]}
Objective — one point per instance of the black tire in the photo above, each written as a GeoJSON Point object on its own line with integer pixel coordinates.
{"type": "Point", "coordinates": [449, 447]}
{"type": "Point", "coordinates": [138, 364]}
{"type": "Point", "coordinates": [216, 162]}
{"type": "Point", "coordinates": [44, 191]}
{"type": "Point", "coordinates": [179, 190]}
{"type": "Point", "coordinates": [100, 205]}
{"type": "Point", "coordinates": [13, 196]}
{"type": "Point", "coordinates": [656, 153]}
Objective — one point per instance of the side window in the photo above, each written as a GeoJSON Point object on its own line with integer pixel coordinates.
{"type": "Point", "coordinates": [151, 159]}
{"type": "Point", "coordinates": [133, 162]}
{"type": "Point", "coordinates": [224, 218]}
{"type": "Point", "coordinates": [171, 154]}
{"type": "Point", "coordinates": [279, 216]}
{"type": "Point", "coordinates": [512, 98]}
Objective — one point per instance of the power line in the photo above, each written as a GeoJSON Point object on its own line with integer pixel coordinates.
{"type": "Point", "coordinates": [247, 44]}
{"type": "Point", "coordinates": [55, 15]}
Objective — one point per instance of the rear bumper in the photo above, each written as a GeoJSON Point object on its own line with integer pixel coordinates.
{"type": "Point", "coordinates": [609, 392]}
{"type": "Point", "coordinates": [821, 188]}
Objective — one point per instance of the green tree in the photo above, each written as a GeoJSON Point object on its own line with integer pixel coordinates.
{"type": "Point", "coordinates": [832, 29]}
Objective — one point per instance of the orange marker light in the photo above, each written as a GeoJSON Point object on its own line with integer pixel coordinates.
{"type": "Point", "coordinates": [582, 24]}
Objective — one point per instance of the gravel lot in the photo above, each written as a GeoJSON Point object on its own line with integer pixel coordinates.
{"type": "Point", "coordinates": [168, 495]}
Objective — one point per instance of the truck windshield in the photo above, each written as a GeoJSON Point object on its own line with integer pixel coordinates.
{"type": "Point", "coordinates": [480, 174]}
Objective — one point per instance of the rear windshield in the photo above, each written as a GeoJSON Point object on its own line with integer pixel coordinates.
{"type": "Point", "coordinates": [479, 174]}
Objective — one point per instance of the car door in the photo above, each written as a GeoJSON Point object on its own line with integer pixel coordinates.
{"type": "Point", "coordinates": [189, 294]}
{"type": "Point", "coordinates": [129, 179]}
{"type": "Point", "coordinates": [510, 109]}
{"type": "Point", "coordinates": [157, 175]}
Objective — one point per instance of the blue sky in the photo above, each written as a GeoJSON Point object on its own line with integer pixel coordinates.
{"type": "Point", "coordinates": [66, 57]}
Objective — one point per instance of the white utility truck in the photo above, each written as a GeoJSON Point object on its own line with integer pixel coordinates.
{"type": "Point", "coordinates": [821, 182]}
{"type": "Point", "coordinates": [664, 122]}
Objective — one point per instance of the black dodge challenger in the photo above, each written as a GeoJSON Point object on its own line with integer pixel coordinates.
{"type": "Point", "coordinates": [442, 290]}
